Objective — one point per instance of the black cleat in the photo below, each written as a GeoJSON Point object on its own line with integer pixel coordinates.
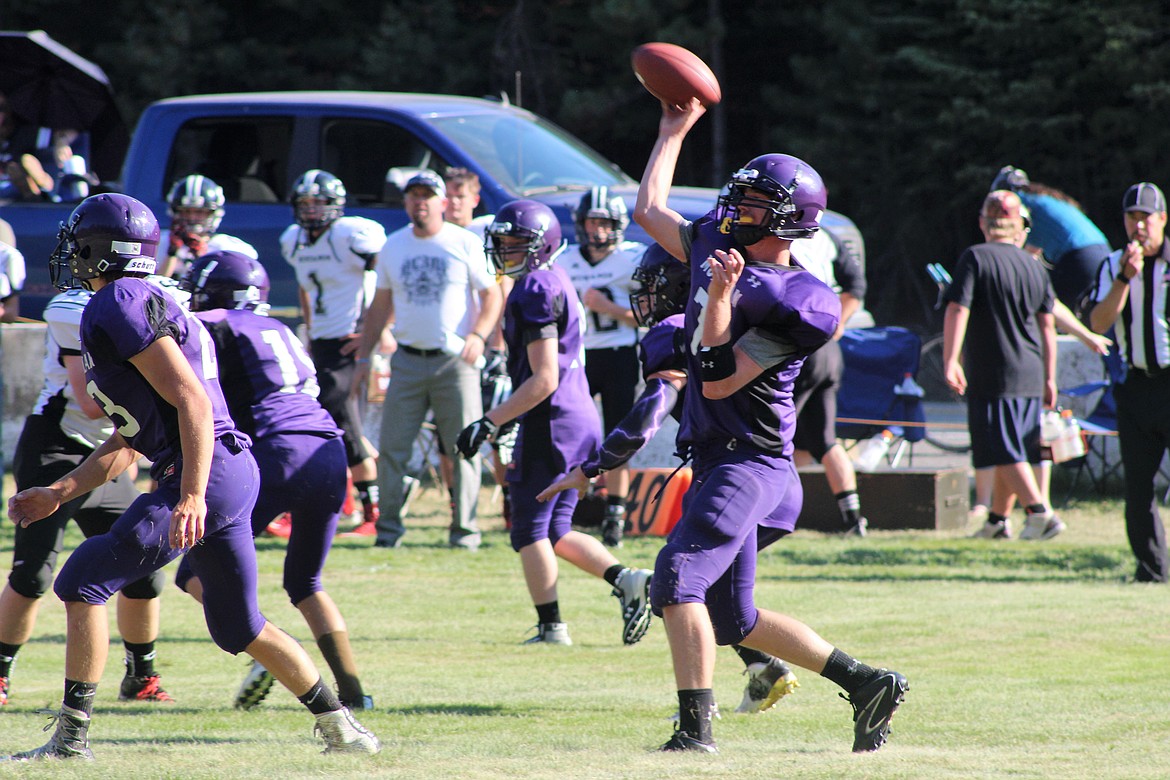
{"type": "Point", "coordinates": [681, 741]}
{"type": "Point", "coordinates": [874, 705]}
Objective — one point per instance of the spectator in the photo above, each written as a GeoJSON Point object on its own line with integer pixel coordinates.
{"type": "Point", "coordinates": [147, 365]}
{"type": "Point", "coordinates": [435, 287]}
{"type": "Point", "coordinates": [1072, 246]}
{"type": "Point", "coordinates": [11, 281]}
{"type": "Point", "coordinates": [334, 257]}
{"type": "Point", "coordinates": [558, 422]}
{"type": "Point", "coordinates": [816, 387]}
{"type": "Point", "coordinates": [18, 141]}
{"type": "Point", "coordinates": [1000, 303]}
{"type": "Point", "coordinates": [195, 206]}
{"type": "Point", "coordinates": [600, 266]}
{"type": "Point", "coordinates": [59, 174]}
{"type": "Point", "coordinates": [65, 426]}
{"type": "Point", "coordinates": [463, 190]}
{"type": "Point", "coordinates": [738, 423]}
{"type": "Point", "coordinates": [1132, 291]}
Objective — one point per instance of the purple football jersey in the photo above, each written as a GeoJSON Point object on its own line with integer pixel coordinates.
{"type": "Point", "coordinates": [268, 378]}
{"type": "Point", "coordinates": [122, 319]}
{"type": "Point", "coordinates": [786, 304]}
{"type": "Point", "coordinates": [543, 304]}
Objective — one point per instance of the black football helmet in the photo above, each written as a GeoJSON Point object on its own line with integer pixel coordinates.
{"type": "Point", "coordinates": [598, 203]}
{"type": "Point", "coordinates": [227, 280]}
{"type": "Point", "coordinates": [794, 199]}
{"type": "Point", "coordinates": [318, 184]}
{"type": "Point", "coordinates": [663, 286]}
{"type": "Point", "coordinates": [106, 233]}
{"type": "Point", "coordinates": [195, 192]}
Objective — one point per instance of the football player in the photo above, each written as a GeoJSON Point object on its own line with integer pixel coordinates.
{"type": "Point", "coordinates": [270, 386]}
{"type": "Point", "coordinates": [600, 266]}
{"type": "Point", "coordinates": [195, 206]}
{"type": "Point", "coordinates": [558, 423]}
{"type": "Point", "coordinates": [151, 366]}
{"type": "Point", "coordinates": [334, 256]}
{"type": "Point", "coordinates": [751, 319]}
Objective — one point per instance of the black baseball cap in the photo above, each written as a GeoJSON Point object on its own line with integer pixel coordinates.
{"type": "Point", "coordinates": [1144, 196]}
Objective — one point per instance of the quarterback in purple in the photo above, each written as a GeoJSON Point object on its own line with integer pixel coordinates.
{"type": "Point", "coordinates": [752, 318]}
{"type": "Point", "coordinates": [271, 389]}
{"type": "Point", "coordinates": [152, 368]}
{"type": "Point", "coordinates": [559, 426]}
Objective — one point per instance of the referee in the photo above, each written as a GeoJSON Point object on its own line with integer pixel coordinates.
{"type": "Point", "coordinates": [1132, 294]}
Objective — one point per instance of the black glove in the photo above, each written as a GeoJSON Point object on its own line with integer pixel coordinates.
{"type": "Point", "coordinates": [474, 435]}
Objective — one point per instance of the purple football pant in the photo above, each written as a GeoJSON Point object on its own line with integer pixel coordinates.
{"type": "Point", "coordinates": [224, 560]}
{"type": "Point", "coordinates": [532, 520]}
{"type": "Point", "coordinates": [710, 556]}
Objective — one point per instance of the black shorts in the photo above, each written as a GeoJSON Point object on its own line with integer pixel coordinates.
{"type": "Point", "coordinates": [1003, 431]}
{"type": "Point", "coordinates": [335, 376]}
{"type": "Point", "coordinates": [613, 374]}
{"type": "Point", "coordinates": [814, 394]}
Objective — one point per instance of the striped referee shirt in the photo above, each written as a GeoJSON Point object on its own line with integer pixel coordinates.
{"type": "Point", "coordinates": [1142, 332]}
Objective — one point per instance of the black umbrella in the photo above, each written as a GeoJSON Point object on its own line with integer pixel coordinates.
{"type": "Point", "coordinates": [48, 85]}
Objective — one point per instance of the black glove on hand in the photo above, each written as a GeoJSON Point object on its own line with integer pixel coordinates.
{"type": "Point", "coordinates": [474, 435]}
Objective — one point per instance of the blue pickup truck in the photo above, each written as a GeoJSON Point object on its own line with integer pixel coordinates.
{"type": "Point", "coordinates": [256, 144]}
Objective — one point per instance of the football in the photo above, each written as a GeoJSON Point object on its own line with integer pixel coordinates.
{"type": "Point", "coordinates": [674, 74]}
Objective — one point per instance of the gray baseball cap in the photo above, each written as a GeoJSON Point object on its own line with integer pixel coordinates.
{"type": "Point", "coordinates": [1144, 197]}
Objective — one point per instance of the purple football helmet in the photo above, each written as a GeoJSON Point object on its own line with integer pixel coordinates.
{"type": "Point", "coordinates": [663, 285]}
{"type": "Point", "coordinates": [227, 280]}
{"type": "Point", "coordinates": [598, 203]}
{"type": "Point", "coordinates": [107, 233]}
{"type": "Point", "coordinates": [794, 203]}
{"type": "Point", "coordinates": [533, 222]}
{"type": "Point", "coordinates": [316, 183]}
{"type": "Point", "coordinates": [195, 192]}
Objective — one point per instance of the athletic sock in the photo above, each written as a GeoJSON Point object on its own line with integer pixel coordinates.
{"type": "Point", "coordinates": [139, 659]}
{"type": "Point", "coordinates": [611, 574]}
{"type": "Point", "coordinates": [994, 519]}
{"type": "Point", "coordinates": [7, 658]}
{"type": "Point", "coordinates": [695, 709]}
{"type": "Point", "coordinates": [1036, 509]}
{"type": "Point", "coordinates": [750, 656]}
{"type": "Point", "coordinates": [79, 696]}
{"type": "Point", "coordinates": [320, 699]}
{"type": "Point", "coordinates": [849, 504]}
{"type": "Point", "coordinates": [367, 493]}
{"type": "Point", "coordinates": [846, 671]}
{"type": "Point", "coordinates": [548, 613]}
{"type": "Point", "coordinates": [335, 649]}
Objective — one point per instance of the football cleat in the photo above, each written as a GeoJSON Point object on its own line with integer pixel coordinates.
{"type": "Point", "coordinates": [281, 527]}
{"type": "Point", "coordinates": [3, 691]}
{"type": "Point", "coordinates": [681, 740]}
{"type": "Point", "coordinates": [343, 734]}
{"type": "Point", "coordinates": [143, 689]}
{"type": "Point", "coordinates": [550, 634]}
{"type": "Point", "coordinates": [1042, 525]}
{"type": "Point", "coordinates": [874, 705]}
{"type": "Point", "coordinates": [767, 684]}
{"type": "Point", "coordinates": [363, 531]}
{"type": "Point", "coordinates": [860, 528]}
{"type": "Point", "coordinates": [632, 589]}
{"type": "Point", "coordinates": [70, 739]}
{"type": "Point", "coordinates": [255, 686]}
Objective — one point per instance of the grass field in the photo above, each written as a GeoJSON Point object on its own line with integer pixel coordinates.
{"type": "Point", "coordinates": [1025, 660]}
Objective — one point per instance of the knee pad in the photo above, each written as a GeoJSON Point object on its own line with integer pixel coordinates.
{"type": "Point", "coordinates": [31, 580]}
{"type": "Point", "coordinates": [149, 587]}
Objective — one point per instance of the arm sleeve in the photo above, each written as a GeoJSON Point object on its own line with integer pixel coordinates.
{"type": "Point", "coordinates": [635, 429]}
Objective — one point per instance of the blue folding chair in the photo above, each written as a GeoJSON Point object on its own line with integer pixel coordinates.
{"type": "Point", "coordinates": [879, 387]}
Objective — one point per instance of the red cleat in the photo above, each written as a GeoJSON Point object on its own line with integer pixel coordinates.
{"type": "Point", "coordinates": [363, 531]}
{"type": "Point", "coordinates": [281, 527]}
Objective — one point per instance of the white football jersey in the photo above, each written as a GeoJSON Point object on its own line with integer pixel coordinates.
{"type": "Point", "coordinates": [613, 277]}
{"type": "Point", "coordinates": [816, 255]}
{"type": "Point", "coordinates": [332, 272]}
{"type": "Point", "coordinates": [63, 336]}
{"type": "Point", "coordinates": [11, 270]}
{"type": "Point", "coordinates": [220, 242]}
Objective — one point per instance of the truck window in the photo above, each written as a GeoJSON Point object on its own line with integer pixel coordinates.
{"type": "Point", "coordinates": [248, 157]}
{"type": "Point", "coordinates": [374, 159]}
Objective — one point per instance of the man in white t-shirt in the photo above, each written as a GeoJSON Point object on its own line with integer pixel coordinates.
{"type": "Point", "coordinates": [333, 255]}
{"type": "Point", "coordinates": [434, 284]}
{"type": "Point", "coordinates": [601, 266]}
{"type": "Point", "coordinates": [195, 206]}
